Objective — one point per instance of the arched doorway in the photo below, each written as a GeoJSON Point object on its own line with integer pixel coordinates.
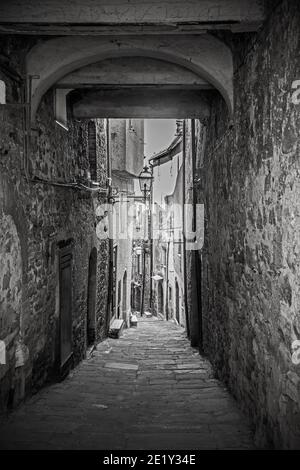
{"type": "Point", "coordinates": [124, 295]}
{"type": "Point", "coordinates": [132, 296]}
{"type": "Point", "coordinates": [137, 299]}
{"type": "Point", "coordinates": [91, 298]}
{"type": "Point", "coordinates": [160, 298]}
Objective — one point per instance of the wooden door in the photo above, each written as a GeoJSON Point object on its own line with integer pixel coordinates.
{"type": "Point", "coordinates": [65, 311]}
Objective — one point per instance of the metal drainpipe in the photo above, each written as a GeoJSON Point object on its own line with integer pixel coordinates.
{"type": "Point", "coordinates": [183, 228]}
{"type": "Point", "coordinates": [144, 256]}
{"type": "Point", "coordinates": [151, 243]}
{"type": "Point", "coordinates": [167, 281]}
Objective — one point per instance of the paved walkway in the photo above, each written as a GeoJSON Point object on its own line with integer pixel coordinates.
{"type": "Point", "coordinates": [147, 390]}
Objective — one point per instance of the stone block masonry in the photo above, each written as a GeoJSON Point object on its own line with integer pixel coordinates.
{"type": "Point", "coordinates": [36, 217]}
{"type": "Point", "coordinates": [249, 183]}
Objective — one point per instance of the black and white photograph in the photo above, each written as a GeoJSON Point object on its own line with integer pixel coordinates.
{"type": "Point", "coordinates": [149, 229]}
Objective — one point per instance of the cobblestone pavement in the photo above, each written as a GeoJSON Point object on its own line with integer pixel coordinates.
{"type": "Point", "coordinates": [147, 390]}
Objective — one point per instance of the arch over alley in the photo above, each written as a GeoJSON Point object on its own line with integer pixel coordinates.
{"type": "Point", "coordinates": [207, 57]}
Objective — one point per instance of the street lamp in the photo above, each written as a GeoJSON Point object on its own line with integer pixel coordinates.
{"type": "Point", "coordinates": [145, 180]}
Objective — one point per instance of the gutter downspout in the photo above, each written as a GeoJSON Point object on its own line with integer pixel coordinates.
{"type": "Point", "coordinates": [151, 242]}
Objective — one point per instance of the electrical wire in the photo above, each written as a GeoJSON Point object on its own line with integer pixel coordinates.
{"type": "Point", "coordinates": [75, 185]}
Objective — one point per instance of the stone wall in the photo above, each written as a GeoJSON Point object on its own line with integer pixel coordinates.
{"type": "Point", "coordinates": [192, 303]}
{"type": "Point", "coordinates": [37, 211]}
{"type": "Point", "coordinates": [127, 146]}
{"type": "Point", "coordinates": [249, 183]}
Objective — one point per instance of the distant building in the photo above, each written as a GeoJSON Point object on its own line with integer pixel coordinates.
{"type": "Point", "coordinates": [127, 154]}
{"type": "Point", "coordinates": [174, 203]}
{"type": "Point", "coordinates": [168, 272]}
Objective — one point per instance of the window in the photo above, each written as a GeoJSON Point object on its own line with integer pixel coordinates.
{"type": "Point", "coordinates": [123, 213]}
{"type": "Point", "coordinates": [92, 150]}
{"type": "Point", "coordinates": [2, 92]}
{"type": "Point", "coordinates": [139, 264]}
{"type": "Point", "coordinates": [179, 247]}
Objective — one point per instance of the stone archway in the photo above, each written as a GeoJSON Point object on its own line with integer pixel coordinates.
{"type": "Point", "coordinates": [203, 54]}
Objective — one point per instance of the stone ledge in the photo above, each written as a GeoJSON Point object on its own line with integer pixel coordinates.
{"type": "Point", "coordinates": [116, 328]}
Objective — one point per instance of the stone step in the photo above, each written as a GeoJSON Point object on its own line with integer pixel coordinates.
{"type": "Point", "coordinates": [116, 328]}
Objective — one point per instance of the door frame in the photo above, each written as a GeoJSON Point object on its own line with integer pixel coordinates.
{"type": "Point", "coordinates": [91, 299]}
{"type": "Point", "coordinates": [65, 260]}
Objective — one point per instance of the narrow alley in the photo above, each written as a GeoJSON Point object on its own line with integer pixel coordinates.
{"type": "Point", "coordinates": [147, 390]}
{"type": "Point", "coordinates": [150, 218]}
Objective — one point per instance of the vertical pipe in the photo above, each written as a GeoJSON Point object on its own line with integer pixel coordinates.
{"type": "Point", "coordinates": [184, 227]}
{"type": "Point", "coordinates": [151, 242]}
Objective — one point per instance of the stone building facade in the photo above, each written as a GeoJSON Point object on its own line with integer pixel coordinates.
{"type": "Point", "coordinates": [177, 294]}
{"type": "Point", "coordinates": [127, 156]}
{"type": "Point", "coordinates": [53, 267]}
{"type": "Point", "coordinates": [248, 180]}
{"type": "Point", "coordinates": [161, 256]}
{"type": "Point", "coordinates": [168, 254]}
